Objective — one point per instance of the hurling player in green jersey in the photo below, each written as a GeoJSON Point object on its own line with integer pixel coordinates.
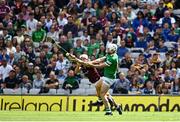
{"type": "Point", "coordinates": [110, 65]}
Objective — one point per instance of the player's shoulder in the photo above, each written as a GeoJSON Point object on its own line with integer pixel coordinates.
{"type": "Point", "coordinates": [115, 56]}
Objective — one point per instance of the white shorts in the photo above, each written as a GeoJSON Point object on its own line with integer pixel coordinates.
{"type": "Point", "coordinates": [108, 81]}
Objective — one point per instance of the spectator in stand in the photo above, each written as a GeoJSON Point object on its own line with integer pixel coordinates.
{"type": "Point", "coordinates": [139, 22]}
{"type": "Point", "coordinates": [165, 31]}
{"type": "Point", "coordinates": [4, 54]}
{"type": "Point", "coordinates": [148, 88]}
{"type": "Point", "coordinates": [11, 59]}
{"type": "Point", "coordinates": [4, 9]}
{"type": "Point", "coordinates": [10, 47]}
{"type": "Point", "coordinates": [30, 54]}
{"type": "Point", "coordinates": [5, 68]}
{"type": "Point", "coordinates": [159, 13]}
{"type": "Point", "coordinates": [70, 82]}
{"type": "Point", "coordinates": [167, 61]}
{"type": "Point", "coordinates": [163, 88]}
{"type": "Point", "coordinates": [30, 71]}
{"type": "Point", "coordinates": [61, 19]}
{"type": "Point", "coordinates": [167, 77]}
{"type": "Point", "coordinates": [53, 33]}
{"type": "Point", "coordinates": [129, 40]}
{"type": "Point", "coordinates": [175, 87]}
{"type": "Point", "coordinates": [18, 54]}
{"type": "Point", "coordinates": [94, 26]}
{"type": "Point", "coordinates": [65, 44]}
{"type": "Point", "coordinates": [174, 73]}
{"type": "Point", "coordinates": [39, 34]}
{"type": "Point", "coordinates": [161, 47]}
{"type": "Point", "coordinates": [31, 23]}
{"type": "Point", "coordinates": [19, 74]}
{"type": "Point", "coordinates": [11, 82]}
{"type": "Point", "coordinates": [134, 88]}
{"type": "Point", "coordinates": [92, 46]}
{"type": "Point", "coordinates": [51, 83]}
{"type": "Point", "coordinates": [122, 50]}
{"type": "Point", "coordinates": [155, 61]}
{"type": "Point", "coordinates": [131, 14]}
{"type": "Point", "coordinates": [62, 63]}
{"type": "Point", "coordinates": [38, 82]}
{"type": "Point", "coordinates": [126, 62]}
{"type": "Point", "coordinates": [121, 86]}
{"type": "Point", "coordinates": [70, 26]}
{"type": "Point", "coordinates": [61, 76]}
{"type": "Point", "coordinates": [90, 9]}
{"type": "Point", "coordinates": [48, 22]}
{"type": "Point", "coordinates": [141, 42]}
{"type": "Point", "coordinates": [153, 24]}
{"type": "Point", "coordinates": [167, 19]}
{"type": "Point", "coordinates": [26, 83]}
{"type": "Point", "coordinates": [78, 50]}
{"type": "Point", "coordinates": [102, 51]}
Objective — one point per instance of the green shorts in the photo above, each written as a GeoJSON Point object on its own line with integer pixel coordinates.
{"type": "Point", "coordinates": [108, 81]}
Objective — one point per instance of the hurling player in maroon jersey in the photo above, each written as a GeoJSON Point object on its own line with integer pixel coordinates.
{"type": "Point", "coordinates": [92, 74]}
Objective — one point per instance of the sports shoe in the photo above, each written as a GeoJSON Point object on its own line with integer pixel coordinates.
{"type": "Point", "coordinates": [97, 103]}
{"type": "Point", "coordinates": [108, 113]}
{"type": "Point", "coordinates": [119, 110]}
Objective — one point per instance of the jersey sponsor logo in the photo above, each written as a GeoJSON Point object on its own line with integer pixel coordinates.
{"type": "Point", "coordinates": [84, 103]}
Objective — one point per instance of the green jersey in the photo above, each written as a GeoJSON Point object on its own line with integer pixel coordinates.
{"type": "Point", "coordinates": [111, 69]}
{"type": "Point", "coordinates": [38, 36]}
{"type": "Point", "coordinates": [91, 48]}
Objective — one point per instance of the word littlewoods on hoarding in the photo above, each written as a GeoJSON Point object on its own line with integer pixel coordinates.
{"type": "Point", "coordinates": [83, 103]}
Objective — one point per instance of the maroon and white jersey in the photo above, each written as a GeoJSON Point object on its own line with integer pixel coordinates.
{"type": "Point", "coordinates": [91, 73]}
{"type": "Point", "coordinates": [4, 9]}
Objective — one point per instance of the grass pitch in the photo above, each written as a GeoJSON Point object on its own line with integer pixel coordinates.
{"type": "Point", "coordinates": [87, 116]}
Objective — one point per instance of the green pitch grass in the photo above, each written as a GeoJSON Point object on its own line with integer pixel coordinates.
{"type": "Point", "coordinates": [87, 116]}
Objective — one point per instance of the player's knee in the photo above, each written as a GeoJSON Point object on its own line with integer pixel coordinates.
{"type": "Point", "coordinates": [102, 93]}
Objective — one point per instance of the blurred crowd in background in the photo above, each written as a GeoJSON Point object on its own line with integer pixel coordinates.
{"type": "Point", "coordinates": [147, 33]}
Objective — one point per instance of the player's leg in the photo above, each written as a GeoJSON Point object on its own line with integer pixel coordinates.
{"type": "Point", "coordinates": [98, 90]}
{"type": "Point", "coordinates": [104, 89]}
{"type": "Point", "coordinates": [111, 100]}
{"type": "Point", "coordinates": [98, 87]}
{"type": "Point", "coordinates": [113, 103]}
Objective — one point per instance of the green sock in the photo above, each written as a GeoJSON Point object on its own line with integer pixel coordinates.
{"type": "Point", "coordinates": [108, 109]}
{"type": "Point", "coordinates": [99, 99]}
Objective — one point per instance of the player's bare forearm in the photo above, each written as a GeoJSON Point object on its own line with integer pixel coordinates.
{"type": "Point", "coordinates": [87, 64]}
{"type": "Point", "coordinates": [101, 65]}
{"type": "Point", "coordinates": [99, 60]}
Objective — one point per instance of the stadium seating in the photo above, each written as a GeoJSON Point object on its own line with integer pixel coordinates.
{"type": "Point", "coordinates": [123, 70]}
{"type": "Point", "coordinates": [15, 91]}
{"type": "Point", "coordinates": [170, 45]}
{"type": "Point", "coordinates": [79, 91]}
{"type": "Point", "coordinates": [52, 91]}
{"type": "Point", "coordinates": [62, 92]}
{"type": "Point", "coordinates": [134, 55]}
{"type": "Point", "coordinates": [90, 91]}
{"type": "Point", "coordinates": [34, 91]}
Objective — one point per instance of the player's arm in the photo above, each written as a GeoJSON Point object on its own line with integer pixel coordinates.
{"type": "Point", "coordinates": [99, 60]}
{"type": "Point", "coordinates": [107, 63]}
{"type": "Point", "coordinates": [100, 65]}
{"type": "Point", "coordinates": [78, 68]}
